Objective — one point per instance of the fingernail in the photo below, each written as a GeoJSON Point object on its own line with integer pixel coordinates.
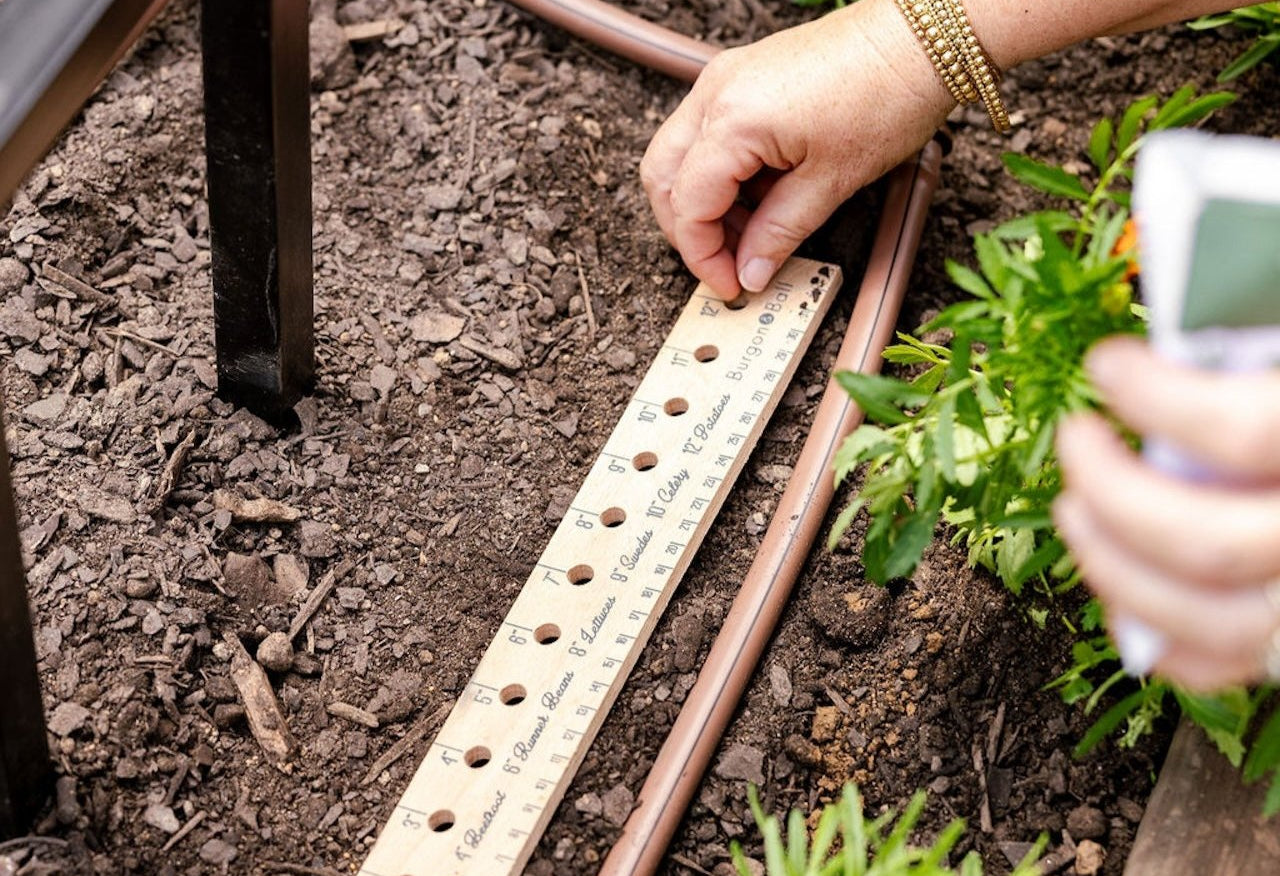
{"type": "Point", "coordinates": [757, 274]}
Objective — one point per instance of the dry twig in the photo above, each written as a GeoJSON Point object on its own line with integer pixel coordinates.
{"type": "Point", "coordinates": [191, 825]}
{"type": "Point", "coordinates": [317, 596]}
{"type": "Point", "coordinates": [586, 299]}
{"type": "Point", "coordinates": [261, 707]}
{"type": "Point", "coordinates": [406, 743]}
{"type": "Point", "coordinates": [173, 471]}
{"type": "Point", "coordinates": [84, 291]}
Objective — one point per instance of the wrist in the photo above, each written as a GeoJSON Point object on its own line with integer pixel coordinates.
{"type": "Point", "coordinates": [883, 27]}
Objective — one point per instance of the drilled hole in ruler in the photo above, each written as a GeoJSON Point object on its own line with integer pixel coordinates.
{"type": "Point", "coordinates": [441, 820]}
{"type": "Point", "coordinates": [513, 694]}
{"type": "Point", "coordinates": [613, 516]}
{"type": "Point", "coordinates": [547, 634]}
{"type": "Point", "coordinates": [707, 353]}
{"type": "Point", "coordinates": [581, 574]}
{"type": "Point", "coordinates": [478, 757]}
{"type": "Point", "coordinates": [676, 406]}
{"type": "Point", "coordinates": [645, 461]}
{"type": "Point", "coordinates": [737, 303]}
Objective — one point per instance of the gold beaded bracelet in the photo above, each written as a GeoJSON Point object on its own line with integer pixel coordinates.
{"type": "Point", "coordinates": [943, 29]}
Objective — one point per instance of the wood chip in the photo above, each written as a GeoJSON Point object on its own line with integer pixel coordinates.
{"type": "Point", "coordinates": [261, 707]}
{"type": "Point", "coordinates": [406, 743]}
{"type": "Point", "coordinates": [318, 595]}
{"type": "Point", "coordinates": [254, 510]}
{"type": "Point", "coordinates": [354, 714]}
{"type": "Point", "coordinates": [84, 291]}
{"type": "Point", "coordinates": [173, 471]}
{"type": "Point", "coordinates": [371, 30]}
{"type": "Point", "coordinates": [498, 355]}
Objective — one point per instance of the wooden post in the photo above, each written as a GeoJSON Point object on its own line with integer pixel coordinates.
{"type": "Point", "coordinates": [1202, 819]}
{"type": "Point", "coordinates": [26, 774]}
{"type": "Point", "coordinates": [257, 137]}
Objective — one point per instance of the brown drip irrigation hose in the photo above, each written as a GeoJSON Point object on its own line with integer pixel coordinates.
{"type": "Point", "coordinates": [706, 713]}
{"type": "Point", "coordinates": [683, 759]}
{"type": "Point", "coordinates": [644, 42]}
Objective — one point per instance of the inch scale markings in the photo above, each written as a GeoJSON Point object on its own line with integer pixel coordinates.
{"type": "Point", "coordinates": [504, 757]}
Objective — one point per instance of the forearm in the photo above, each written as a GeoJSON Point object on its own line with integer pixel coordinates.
{"type": "Point", "coordinates": [1014, 31]}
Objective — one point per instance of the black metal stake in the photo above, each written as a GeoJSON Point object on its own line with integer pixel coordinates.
{"type": "Point", "coordinates": [26, 773]}
{"type": "Point", "coordinates": [257, 137]}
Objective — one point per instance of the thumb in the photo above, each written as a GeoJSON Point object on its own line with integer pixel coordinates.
{"type": "Point", "coordinates": [795, 207]}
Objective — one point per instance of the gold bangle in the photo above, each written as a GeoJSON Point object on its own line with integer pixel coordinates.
{"type": "Point", "coordinates": [942, 27]}
{"type": "Point", "coordinates": [949, 66]}
{"type": "Point", "coordinates": [982, 73]}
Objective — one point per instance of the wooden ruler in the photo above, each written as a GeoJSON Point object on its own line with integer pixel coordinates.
{"type": "Point", "coordinates": [499, 766]}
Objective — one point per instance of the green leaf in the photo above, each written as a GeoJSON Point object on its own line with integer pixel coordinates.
{"type": "Point", "coordinates": [1131, 121]}
{"type": "Point", "coordinates": [853, 830]}
{"type": "Point", "coordinates": [823, 837]}
{"type": "Point", "coordinates": [1271, 805]}
{"type": "Point", "coordinates": [1106, 232]}
{"type": "Point", "coordinates": [992, 258]}
{"type": "Point", "coordinates": [1039, 450]}
{"type": "Point", "coordinates": [930, 379]}
{"type": "Point", "coordinates": [1208, 22]}
{"type": "Point", "coordinates": [1223, 717]}
{"type": "Point", "coordinates": [1264, 754]}
{"type": "Point", "coordinates": [969, 281]}
{"type": "Point", "coordinates": [1016, 548]}
{"type": "Point", "coordinates": [1100, 143]}
{"type": "Point", "coordinates": [1202, 108]}
{"type": "Point", "coordinates": [1045, 177]}
{"type": "Point", "coordinates": [1042, 558]}
{"type": "Point", "coordinates": [1109, 721]}
{"type": "Point", "coordinates": [1022, 227]}
{"type": "Point", "coordinates": [797, 842]}
{"type": "Point", "coordinates": [881, 398]}
{"type": "Point", "coordinates": [1172, 106]}
{"type": "Point", "coordinates": [865, 442]}
{"type": "Point", "coordinates": [1252, 57]}
{"type": "Point", "coordinates": [908, 547]}
{"type": "Point", "coordinates": [944, 440]}
{"type": "Point", "coordinates": [843, 521]}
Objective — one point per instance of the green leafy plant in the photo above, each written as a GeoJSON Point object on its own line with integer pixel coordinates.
{"type": "Point", "coordinates": [876, 847]}
{"type": "Point", "coordinates": [967, 438]}
{"type": "Point", "coordinates": [1262, 19]}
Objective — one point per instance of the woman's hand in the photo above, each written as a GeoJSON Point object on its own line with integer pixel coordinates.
{"type": "Point", "coordinates": [1197, 562]}
{"type": "Point", "coordinates": [792, 126]}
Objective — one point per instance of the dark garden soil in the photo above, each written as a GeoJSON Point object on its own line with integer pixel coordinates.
{"type": "Point", "coordinates": [465, 166]}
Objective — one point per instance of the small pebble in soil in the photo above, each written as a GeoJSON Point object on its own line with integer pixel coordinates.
{"type": "Point", "coordinates": [275, 653]}
{"type": "Point", "coordinates": [742, 762]}
{"type": "Point", "coordinates": [1089, 858]}
{"type": "Point", "coordinates": [589, 804]}
{"type": "Point", "coordinates": [1086, 822]}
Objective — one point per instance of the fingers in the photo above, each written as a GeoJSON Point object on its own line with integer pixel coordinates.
{"type": "Point", "coordinates": [1206, 673]}
{"type": "Point", "coordinates": [794, 207]}
{"type": "Point", "coordinates": [705, 189]}
{"type": "Point", "coordinates": [1219, 536]}
{"type": "Point", "coordinates": [661, 162]}
{"type": "Point", "coordinates": [1229, 422]}
{"type": "Point", "coordinates": [1231, 626]}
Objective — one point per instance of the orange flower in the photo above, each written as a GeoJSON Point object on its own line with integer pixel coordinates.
{"type": "Point", "coordinates": [1128, 243]}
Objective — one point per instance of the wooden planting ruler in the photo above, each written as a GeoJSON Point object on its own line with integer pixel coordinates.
{"type": "Point", "coordinates": [504, 757]}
